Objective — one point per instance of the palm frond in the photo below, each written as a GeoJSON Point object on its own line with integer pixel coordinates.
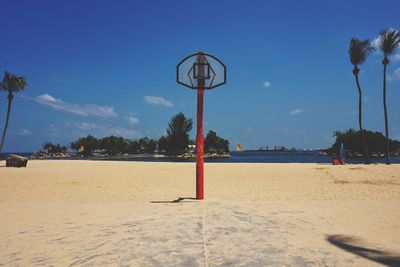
{"type": "Point", "coordinates": [389, 40]}
{"type": "Point", "coordinates": [359, 50]}
{"type": "Point", "coordinates": [13, 83]}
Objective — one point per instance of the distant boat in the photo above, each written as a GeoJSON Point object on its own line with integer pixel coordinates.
{"type": "Point", "coordinates": [239, 147]}
{"type": "Point", "coordinates": [276, 149]}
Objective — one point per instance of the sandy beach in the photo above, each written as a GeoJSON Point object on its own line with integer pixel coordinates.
{"type": "Point", "coordinates": [96, 213]}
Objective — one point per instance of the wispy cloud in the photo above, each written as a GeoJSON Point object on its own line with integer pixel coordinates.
{"type": "Point", "coordinates": [395, 76]}
{"type": "Point", "coordinates": [81, 110]}
{"type": "Point", "coordinates": [296, 111]}
{"type": "Point", "coordinates": [72, 130]}
{"type": "Point", "coordinates": [121, 131]}
{"type": "Point", "coordinates": [102, 130]}
{"type": "Point", "coordinates": [132, 120]}
{"type": "Point", "coordinates": [375, 43]}
{"type": "Point", "coordinates": [396, 57]}
{"type": "Point", "coordinates": [23, 132]}
{"type": "Point", "coordinates": [266, 84]}
{"type": "Point", "coordinates": [86, 125]}
{"type": "Point", "coordinates": [158, 100]}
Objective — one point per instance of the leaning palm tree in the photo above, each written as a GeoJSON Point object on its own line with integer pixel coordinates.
{"type": "Point", "coordinates": [388, 42]}
{"type": "Point", "coordinates": [12, 84]}
{"type": "Point", "coordinates": [358, 52]}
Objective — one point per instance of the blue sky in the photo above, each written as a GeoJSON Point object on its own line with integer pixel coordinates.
{"type": "Point", "coordinates": [108, 67]}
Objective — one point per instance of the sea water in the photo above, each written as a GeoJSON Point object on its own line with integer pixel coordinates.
{"type": "Point", "coordinates": [256, 157]}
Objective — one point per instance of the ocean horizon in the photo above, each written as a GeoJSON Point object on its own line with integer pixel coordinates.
{"type": "Point", "coordinates": [247, 157]}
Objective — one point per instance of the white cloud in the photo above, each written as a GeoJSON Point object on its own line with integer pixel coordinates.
{"type": "Point", "coordinates": [132, 120]}
{"type": "Point", "coordinates": [120, 131]}
{"type": "Point", "coordinates": [296, 111]}
{"type": "Point", "coordinates": [86, 125]}
{"type": "Point", "coordinates": [71, 130]}
{"type": "Point", "coordinates": [47, 98]}
{"type": "Point", "coordinates": [23, 132]}
{"type": "Point", "coordinates": [158, 100]}
{"type": "Point", "coordinates": [85, 110]}
{"type": "Point", "coordinates": [266, 84]}
{"type": "Point", "coordinates": [375, 43]}
{"type": "Point", "coordinates": [396, 57]}
{"type": "Point", "coordinates": [395, 76]}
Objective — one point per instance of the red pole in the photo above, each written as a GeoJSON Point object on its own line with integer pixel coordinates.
{"type": "Point", "coordinates": [200, 147]}
{"type": "Point", "coordinates": [200, 136]}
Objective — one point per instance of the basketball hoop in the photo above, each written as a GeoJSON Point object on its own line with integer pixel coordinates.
{"type": "Point", "coordinates": [201, 67]}
{"type": "Point", "coordinates": [200, 71]}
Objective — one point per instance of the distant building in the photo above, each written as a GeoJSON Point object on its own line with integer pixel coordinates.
{"type": "Point", "coordinates": [191, 148]}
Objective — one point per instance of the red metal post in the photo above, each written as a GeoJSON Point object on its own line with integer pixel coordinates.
{"type": "Point", "coordinates": [200, 147]}
{"type": "Point", "coordinates": [200, 136]}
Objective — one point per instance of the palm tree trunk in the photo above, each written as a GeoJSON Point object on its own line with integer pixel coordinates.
{"type": "Point", "coordinates": [10, 97]}
{"type": "Point", "coordinates": [385, 110]}
{"type": "Point", "coordinates": [364, 143]}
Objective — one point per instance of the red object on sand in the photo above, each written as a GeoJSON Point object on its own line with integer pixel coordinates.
{"type": "Point", "coordinates": [335, 161]}
{"type": "Point", "coordinates": [200, 71]}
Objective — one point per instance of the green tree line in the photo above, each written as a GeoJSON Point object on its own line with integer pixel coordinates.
{"type": "Point", "coordinates": [174, 143]}
{"type": "Point", "coordinates": [351, 142]}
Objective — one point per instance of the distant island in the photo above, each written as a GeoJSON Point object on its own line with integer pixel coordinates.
{"type": "Point", "coordinates": [351, 141]}
{"type": "Point", "coordinates": [176, 144]}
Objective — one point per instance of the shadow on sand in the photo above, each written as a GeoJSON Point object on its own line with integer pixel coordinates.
{"type": "Point", "coordinates": [178, 200]}
{"type": "Point", "coordinates": [355, 245]}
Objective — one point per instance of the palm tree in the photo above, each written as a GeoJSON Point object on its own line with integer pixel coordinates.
{"type": "Point", "coordinates": [388, 42]}
{"type": "Point", "coordinates": [12, 83]}
{"type": "Point", "coordinates": [358, 52]}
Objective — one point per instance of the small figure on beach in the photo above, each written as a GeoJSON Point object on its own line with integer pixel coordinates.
{"type": "Point", "coordinates": [342, 155]}
{"type": "Point", "coordinates": [335, 159]}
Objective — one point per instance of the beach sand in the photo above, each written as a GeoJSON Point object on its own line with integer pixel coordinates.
{"type": "Point", "coordinates": [99, 213]}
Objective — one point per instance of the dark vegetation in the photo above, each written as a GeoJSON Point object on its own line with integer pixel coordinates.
{"type": "Point", "coordinates": [352, 142]}
{"type": "Point", "coordinates": [174, 143]}
{"type": "Point", "coordinates": [51, 148]}
{"type": "Point", "coordinates": [177, 139]}
{"type": "Point", "coordinates": [215, 144]}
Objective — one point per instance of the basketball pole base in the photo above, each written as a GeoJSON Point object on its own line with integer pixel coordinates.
{"type": "Point", "coordinates": [200, 179]}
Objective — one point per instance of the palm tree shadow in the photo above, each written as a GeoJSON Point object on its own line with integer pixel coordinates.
{"type": "Point", "coordinates": [354, 245]}
{"type": "Point", "coordinates": [178, 200]}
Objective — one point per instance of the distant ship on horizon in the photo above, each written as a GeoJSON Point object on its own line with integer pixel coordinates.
{"type": "Point", "coordinates": [276, 149]}
{"type": "Point", "coordinates": [239, 148]}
